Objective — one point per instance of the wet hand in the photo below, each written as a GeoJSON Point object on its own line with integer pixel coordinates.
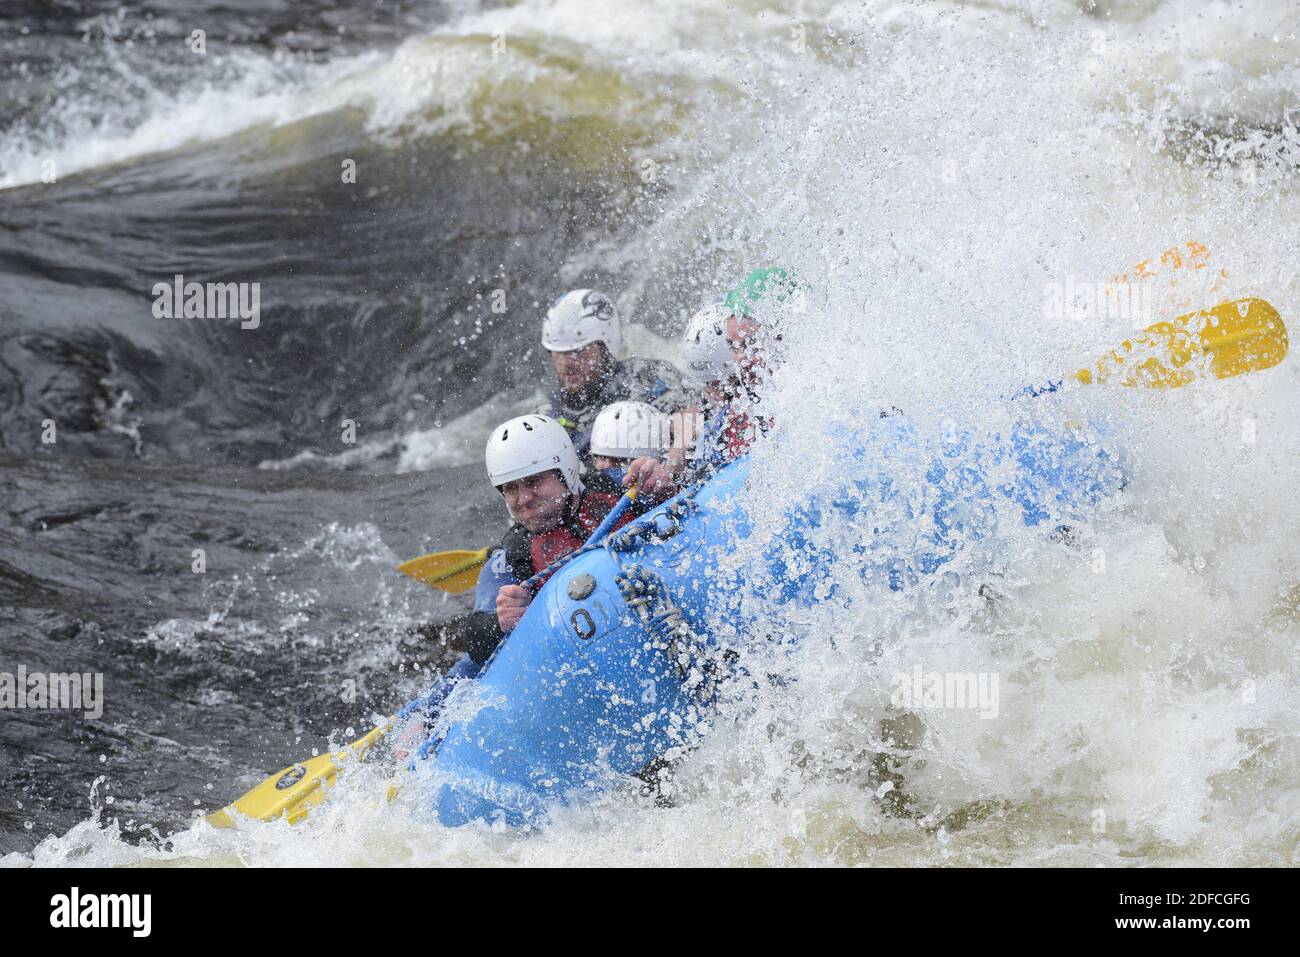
{"type": "Point", "coordinates": [512, 602]}
{"type": "Point", "coordinates": [652, 477]}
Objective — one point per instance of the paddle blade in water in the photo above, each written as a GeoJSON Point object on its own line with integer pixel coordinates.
{"type": "Point", "coordinates": [1244, 335]}
{"type": "Point", "coordinates": [296, 789]}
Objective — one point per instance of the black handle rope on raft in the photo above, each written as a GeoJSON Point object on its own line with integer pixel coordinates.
{"type": "Point", "coordinates": [668, 631]}
{"type": "Point", "coordinates": [676, 512]}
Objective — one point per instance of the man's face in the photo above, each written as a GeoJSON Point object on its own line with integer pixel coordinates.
{"type": "Point", "coordinates": [581, 368]}
{"type": "Point", "coordinates": [743, 336]}
{"type": "Point", "coordinates": [537, 502]}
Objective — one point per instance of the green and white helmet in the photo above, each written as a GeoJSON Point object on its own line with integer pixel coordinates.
{"type": "Point", "coordinates": [767, 284]}
{"type": "Point", "coordinates": [578, 319]}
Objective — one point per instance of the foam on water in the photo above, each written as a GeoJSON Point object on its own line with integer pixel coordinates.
{"type": "Point", "coordinates": [499, 72]}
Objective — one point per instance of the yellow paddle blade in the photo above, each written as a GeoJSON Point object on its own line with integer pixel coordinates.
{"type": "Point", "coordinates": [454, 571]}
{"type": "Point", "coordinates": [1244, 335]}
{"type": "Point", "coordinates": [296, 789]}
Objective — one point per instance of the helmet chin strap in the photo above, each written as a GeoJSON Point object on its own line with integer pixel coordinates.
{"type": "Point", "coordinates": [571, 507]}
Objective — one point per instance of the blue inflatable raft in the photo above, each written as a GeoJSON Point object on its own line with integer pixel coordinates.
{"type": "Point", "coordinates": [617, 662]}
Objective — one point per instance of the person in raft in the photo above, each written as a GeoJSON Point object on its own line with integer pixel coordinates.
{"type": "Point", "coordinates": [712, 375]}
{"type": "Point", "coordinates": [531, 461]}
{"type": "Point", "coordinates": [554, 510]}
{"type": "Point", "coordinates": [749, 321]}
{"type": "Point", "coordinates": [625, 431]}
{"type": "Point", "coordinates": [583, 335]}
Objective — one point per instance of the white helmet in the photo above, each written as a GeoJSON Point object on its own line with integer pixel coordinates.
{"type": "Point", "coordinates": [629, 430]}
{"type": "Point", "coordinates": [705, 347]}
{"type": "Point", "coordinates": [528, 445]}
{"type": "Point", "coordinates": [580, 318]}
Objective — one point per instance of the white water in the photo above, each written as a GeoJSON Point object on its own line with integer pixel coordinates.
{"type": "Point", "coordinates": [928, 181]}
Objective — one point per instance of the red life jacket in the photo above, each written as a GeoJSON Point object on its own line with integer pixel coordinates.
{"type": "Point", "coordinates": [740, 430]}
{"type": "Point", "coordinates": [593, 506]}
